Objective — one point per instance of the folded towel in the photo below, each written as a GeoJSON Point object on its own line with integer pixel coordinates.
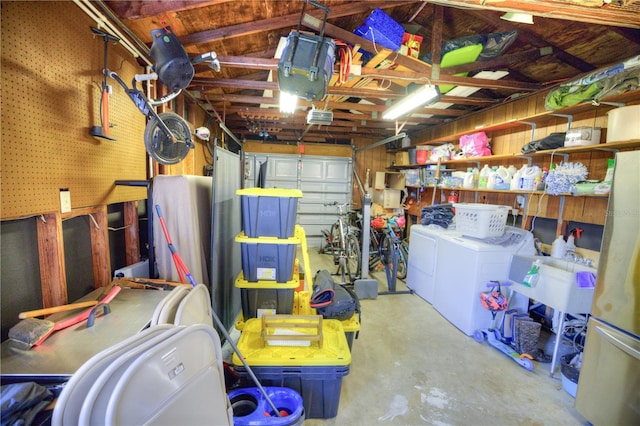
{"type": "Point", "coordinates": [586, 279]}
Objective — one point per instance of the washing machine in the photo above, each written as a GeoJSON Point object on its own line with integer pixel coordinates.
{"type": "Point", "coordinates": [451, 270]}
{"type": "Point", "coordinates": [423, 255]}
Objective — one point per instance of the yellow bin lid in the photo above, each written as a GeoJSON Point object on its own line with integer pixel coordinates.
{"type": "Point", "coordinates": [270, 192]}
{"type": "Point", "coordinates": [334, 350]}
{"type": "Point", "coordinates": [298, 235]}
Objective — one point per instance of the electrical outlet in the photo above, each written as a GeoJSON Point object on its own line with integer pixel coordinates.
{"type": "Point", "coordinates": [65, 200]}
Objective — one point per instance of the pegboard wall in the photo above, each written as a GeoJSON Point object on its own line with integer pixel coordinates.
{"type": "Point", "coordinates": [51, 83]}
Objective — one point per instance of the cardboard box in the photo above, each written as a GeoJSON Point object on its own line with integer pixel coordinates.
{"type": "Point", "coordinates": [391, 198]}
{"type": "Point", "coordinates": [393, 180]}
{"type": "Point", "coordinates": [402, 158]}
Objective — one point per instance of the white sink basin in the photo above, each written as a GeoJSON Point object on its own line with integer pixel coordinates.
{"type": "Point", "coordinates": [557, 286]}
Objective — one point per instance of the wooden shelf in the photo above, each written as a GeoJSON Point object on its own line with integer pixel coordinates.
{"type": "Point", "coordinates": [508, 191]}
{"type": "Point", "coordinates": [611, 146]}
{"type": "Point", "coordinates": [607, 103]}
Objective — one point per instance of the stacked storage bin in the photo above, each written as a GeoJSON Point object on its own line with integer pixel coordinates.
{"type": "Point", "coordinates": [308, 354]}
{"type": "Point", "coordinates": [269, 241]}
{"type": "Point", "coordinates": [302, 306]}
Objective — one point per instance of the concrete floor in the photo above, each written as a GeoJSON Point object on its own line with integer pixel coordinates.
{"type": "Point", "coordinates": [410, 366]}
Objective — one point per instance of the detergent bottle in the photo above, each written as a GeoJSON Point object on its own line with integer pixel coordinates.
{"type": "Point", "coordinates": [521, 180]}
{"type": "Point", "coordinates": [558, 248]}
{"type": "Point", "coordinates": [512, 170]}
{"type": "Point", "coordinates": [476, 177]}
{"type": "Point", "coordinates": [491, 180]}
{"type": "Point", "coordinates": [503, 178]}
{"type": "Point", "coordinates": [531, 279]}
{"type": "Point", "coordinates": [468, 181]}
{"type": "Point", "coordinates": [528, 178]}
{"type": "Point", "coordinates": [484, 176]}
{"type": "Point", "coordinates": [515, 180]}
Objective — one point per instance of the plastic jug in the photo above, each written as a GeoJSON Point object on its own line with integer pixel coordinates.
{"type": "Point", "coordinates": [515, 180]}
{"type": "Point", "coordinates": [529, 177]}
{"type": "Point", "coordinates": [503, 178]}
{"type": "Point", "coordinates": [484, 176]}
{"type": "Point", "coordinates": [558, 248]}
{"type": "Point", "coordinates": [469, 181]}
{"type": "Point", "coordinates": [491, 180]}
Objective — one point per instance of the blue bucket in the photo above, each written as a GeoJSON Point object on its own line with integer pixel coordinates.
{"type": "Point", "coordinates": [250, 407]}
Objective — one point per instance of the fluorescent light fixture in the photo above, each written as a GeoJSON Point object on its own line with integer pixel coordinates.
{"type": "Point", "coordinates": [522, 18]}
{"type": "Point", "coordinates": [424, 95]}
{"type": "Point", "coordinates": [288, 102]}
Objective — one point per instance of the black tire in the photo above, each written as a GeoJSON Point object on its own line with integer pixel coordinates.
{"type": "Point", "coordinates": [354, 258]}
{"type": "Point", "coordinates": [374, 253]}
{"type": "Point", "coordinates": [385, 249]}
{"type": "Point", "coordinates": [403, 261]}
{"type": "Point", "coordinates": [386, 254]}
{"type": "Point", "coordinates": [159, 145]}
{"type": "Point", "coordinates": [335, 243]}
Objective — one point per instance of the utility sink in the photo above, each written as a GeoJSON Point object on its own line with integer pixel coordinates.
{"type": "Point", "coordinates": [557, 286]}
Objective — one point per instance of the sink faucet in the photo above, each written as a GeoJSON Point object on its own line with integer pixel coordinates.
{"type": "Point", "coordinates": [572, 256]}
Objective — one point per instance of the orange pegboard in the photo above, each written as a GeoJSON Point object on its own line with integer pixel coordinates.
{"type": "Point", "coordinates": [51, 77]}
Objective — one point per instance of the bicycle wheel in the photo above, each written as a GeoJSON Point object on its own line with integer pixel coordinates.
{"type": "Point", "coordinates": [335, 242]}
{"type": "Point", "coordinates": [354, 257]}
{"type": "Point", "coordinates": [374, 249]}
{"type": "Point", "coordinates": [385, 248]}
{"type": "Point", "coordinates": [403, 260]}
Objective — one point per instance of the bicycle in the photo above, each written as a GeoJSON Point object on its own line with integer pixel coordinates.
{"type": "Point", "coordinates": [387, 247]}
{"type": "Point", "coordinates": [343, 245]}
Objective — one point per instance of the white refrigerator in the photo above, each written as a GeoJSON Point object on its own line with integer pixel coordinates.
{"type": "Point", "coordinates": [450, 271]}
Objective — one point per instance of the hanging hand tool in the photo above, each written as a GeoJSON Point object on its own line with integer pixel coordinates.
{"type": "Point", "coordinates": [102, 131]}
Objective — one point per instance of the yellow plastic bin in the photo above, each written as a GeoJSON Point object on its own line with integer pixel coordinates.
{"type": "Point", "coordinates": [297, 359]}
{"type": "Point", "coordinates": [302, 306]}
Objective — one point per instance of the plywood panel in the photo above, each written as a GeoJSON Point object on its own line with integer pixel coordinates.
{"type": "Point", "coordinates": [51, 76]}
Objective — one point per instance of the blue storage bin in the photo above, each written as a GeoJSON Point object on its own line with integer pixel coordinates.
{"type": "Point", "coordinates": [268, 258]}
{"type": "Point", "coordinates": [381, 29]}
{"type": "Point", "coordinates": [262, 261]}
{"type": "Point", "coordinates": [259, 300]}
{"type": "Point", "coordinates": [319, 386]}
{"type": "Point", "coordinates": [269, 212]}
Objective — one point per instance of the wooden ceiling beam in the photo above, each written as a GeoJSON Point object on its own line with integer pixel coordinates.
{"type": "Point", "coordinates": [285, 21]}
{"type": "Point", "coordinates": [143, 9]}
{"type": "Point", "coordinates": [533, 38]}
{"type": "Point", "coordinates": [554, 9]}
{"type": "Point", "coordinates": [451, 79]}
{"type": "Point", "coordinates": [352, 106]}
{"type": "Point", "coordinates": [339, 118]}
{"type": "Point", "coordinates": [205, 85]}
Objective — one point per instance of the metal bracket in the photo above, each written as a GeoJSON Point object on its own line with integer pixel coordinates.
{"type": "Point", "coordinates": [569, 118]}
{"type": "Point", "coordinates": [533, 127]}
